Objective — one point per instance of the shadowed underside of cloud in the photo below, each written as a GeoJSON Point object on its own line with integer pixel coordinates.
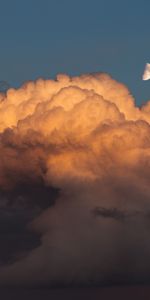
{"type": "Point", "coordinates": [74, 183]}
{"type": "Point", "coordinates": [18, 208]}
{"type": "Point", "coordinates": [113, 213]}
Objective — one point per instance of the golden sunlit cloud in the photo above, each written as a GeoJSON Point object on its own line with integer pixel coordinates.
{"type": "Point", "coordinates": [85, 136]}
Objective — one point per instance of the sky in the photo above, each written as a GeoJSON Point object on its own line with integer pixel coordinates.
{"type": "Point", "coordinates": [74, 149]}
{"type": "Point", "coordinates": [43, 38]}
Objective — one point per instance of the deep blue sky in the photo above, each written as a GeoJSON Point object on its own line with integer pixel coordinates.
{"type": "Point", "coordinates": [40, 38]}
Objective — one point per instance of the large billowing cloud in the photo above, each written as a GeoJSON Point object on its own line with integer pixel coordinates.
{"type": "Point", "coordinates": [75, 162]}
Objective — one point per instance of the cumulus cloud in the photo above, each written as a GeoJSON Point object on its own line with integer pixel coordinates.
{"type": "Point", "coordinates": [75, 157]}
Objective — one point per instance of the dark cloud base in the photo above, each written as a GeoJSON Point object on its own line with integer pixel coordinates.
{"type": "Point", "coordinates": [117, 293]}
{"type": "Point", "coordinates": [19, 207]}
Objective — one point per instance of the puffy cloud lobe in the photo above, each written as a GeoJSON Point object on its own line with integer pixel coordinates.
{"type": "Point", "coordinates": [85, 137]}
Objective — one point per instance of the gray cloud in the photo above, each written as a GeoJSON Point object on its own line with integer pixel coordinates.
{"type": "Point", "coordinates": [113, 213]}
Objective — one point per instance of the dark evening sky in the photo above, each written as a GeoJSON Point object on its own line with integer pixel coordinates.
{"type": "Point", "coordinates": [43, 38]}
